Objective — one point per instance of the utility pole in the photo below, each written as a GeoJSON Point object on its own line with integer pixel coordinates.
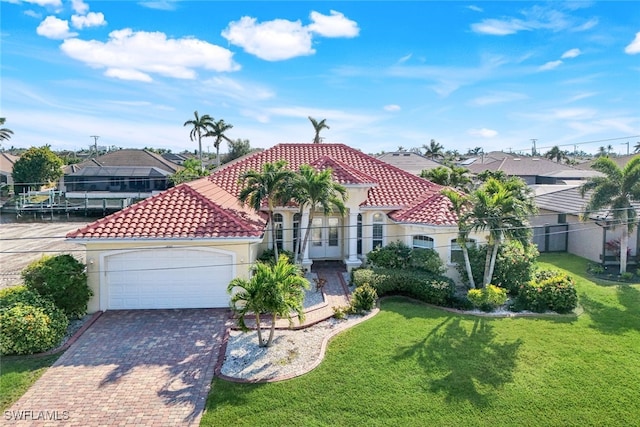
{"type": "Point", "coordinates": [533, 149]}
{"type": "Point", "coordinates": [95, 143]}
{"type": "Point", "coordinates": [627, 143]}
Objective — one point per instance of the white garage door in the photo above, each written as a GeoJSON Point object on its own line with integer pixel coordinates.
{"type": "Point", "coordinates": [167, 278]}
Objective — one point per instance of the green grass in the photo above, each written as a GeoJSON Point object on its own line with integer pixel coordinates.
{"type": "Point", "coordinates": [17, 374]}
{"type": "Point", "coordinates": [416, 365]}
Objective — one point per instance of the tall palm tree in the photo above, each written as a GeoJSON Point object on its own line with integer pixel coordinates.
{"type": "Point", "coordinates": [276, 289]}
{"type": "Point", "coordinates": [615, 190]}
{"type": "Point", "coordinates": [268, 186]}
{"type": "Point", "coordinates": [317, 127]}
{"type": "Point", "coordinates": [5, 133]}
{"type": "Point", "coordinates": [556, 154]}
{"type": "Point", "coordinates": [201, 125]}
{"type": "Point", "coordinates": [217, 131]}
{"type": "Point", "coordinates": [450, 176]}
{"type": "Point", "coordinates": [502, 208]}
{"type": "Point", "coordinates": [460, 205]}
{"type": "Point", "coordinates": [602, 152]}
{"type": "Point", "coordinates": [433, 150]}
{"type": "Point", "coordinates": [317, 189]}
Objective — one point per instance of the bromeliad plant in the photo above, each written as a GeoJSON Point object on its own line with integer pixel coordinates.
{"type": "Point", "coordinates": [274, 289]}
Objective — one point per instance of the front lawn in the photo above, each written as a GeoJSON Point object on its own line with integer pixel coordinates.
{"type": "Point", "coordinates": [417, 365]}
{"type": "Point", "coordinates": [17, 374]}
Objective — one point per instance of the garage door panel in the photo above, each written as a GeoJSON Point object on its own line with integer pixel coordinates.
{"type": "Point", "coordinates": [168, 278]}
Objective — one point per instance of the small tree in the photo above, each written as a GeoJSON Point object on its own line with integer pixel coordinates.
{"type": "Point", "coordinates": [36, 167]}
{"type": "Point", "coordinates": [277, 290]}
{"type": "Point", "coordinates": [191, 172]}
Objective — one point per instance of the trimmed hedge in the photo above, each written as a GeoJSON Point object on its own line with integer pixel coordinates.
{"type": "Point", "coordinates": [427, 287]}
{"type": "Point", "coordinates": [397, 255]}
{"type": "Point", "coordinates": [29, 322]}
{"type": "Point", "coordinates": [553, 291]}
{"type": "Point", "coordinates": [62, 279]}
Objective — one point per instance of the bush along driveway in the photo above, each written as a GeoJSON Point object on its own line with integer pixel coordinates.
{"type": "Point", "coordinates": [144, 367]}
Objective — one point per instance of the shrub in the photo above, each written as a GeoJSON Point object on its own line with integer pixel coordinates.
{"type": "Point", "coordinates": [341, 312]}
{"type": "Point", "coordinates": [63, 280]}
{"type": "Point", "coordinates": [394, 255]}
{"type": "Point", "coordinates": [595, 268]}
{"type": "Point", "coordinates": [427, 287]}
{"type": "Point", "coordinates": [29, 322]}
{"type": "Point", "coordinates": [487, 299]}
{"type": "Point", "coordinates": [555, 291]}
{"type": "Point", "coordinates": [626, 276]}
{"type": "Point", "coordinates": [515, 265]}
{"type": "Point", "coordinates": [268, 255]}
{"type": "Point", "coordinates": [427, 260]}
{"type": "Point", "coordinates": [363, 298]}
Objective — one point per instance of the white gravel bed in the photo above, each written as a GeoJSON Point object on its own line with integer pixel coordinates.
{"type": "Point", "coordinates": [291, 353]}
{"type": "Point", "coordinates": [311, 296]}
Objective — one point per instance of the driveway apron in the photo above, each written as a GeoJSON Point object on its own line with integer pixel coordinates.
{"type": "Point", "coordinates": [131, 367]}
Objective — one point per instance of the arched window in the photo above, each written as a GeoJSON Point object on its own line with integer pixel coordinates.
{"type": "Point", "coordinates": [378, 230]}
{"type": "Point", "coordinates": [296, 231]}
{"type": "Point", "coordinates": [456, 256]}
{"type": "Point", "coordinates": [277, 223]}
{"type": "Point", "coordinates": [359, 234]}
{"type": "Point", "coordinates": [422, 242]}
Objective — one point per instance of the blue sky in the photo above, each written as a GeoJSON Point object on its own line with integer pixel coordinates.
{"type": "Point", "coordinates": [382, 74]}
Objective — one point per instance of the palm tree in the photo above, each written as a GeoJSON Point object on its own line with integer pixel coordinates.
{"type": "Point", "coordinates": [502, 208]}
{"type": "Point", "coordinates": [556, 154]}
{"type": "Point", "coordinates": [433, 150]}
{"type": "Point", "coordinates": [317, 189]}
{"type": "Point", "coordinates": [201, 125]}
{"type": "Point", "coordinates": [317, 127]}
{"type": "Point", "coordinates": [268, 186]}
{"type": "Point", "coordinates": [615, 190]}
{"type": "Point", "coordinates": [5, 134]}
{"type": "Point", "coordinates": [460, 205]}
{"type": "Point", "coordinates": [602, 152]}
{"type": "Point", "coordinates": [450, 176]}
{"type": "Point", "coordinates": [637, 147]}
{"type": "Point", "coordinates": [217, 131]}
{"type": "Point", "coordinates": [276, 289]}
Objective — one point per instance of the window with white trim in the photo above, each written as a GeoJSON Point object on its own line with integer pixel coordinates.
{"type": "Point", "coordinates": [455, 255]}
{"type": "Point", "coordinates": [296, 231]}
{"type": "Point", "coordinates": [422, 242]}
{"type": "Point", "coordinates": [378, 230]}
{"type": "Point", "coordinates": [277, 223]}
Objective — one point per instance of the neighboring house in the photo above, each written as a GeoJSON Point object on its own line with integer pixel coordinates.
{"type": "Point", "coordinates": [558, 227]}
{"type": "Point", "coordinates": [178, 159]}
{"type": "Point", "coordinates": [533, 170]}
{"type": "Point", "coordinates": [128, 173]}
{"type": "Point", "coordinates": [409, 161]}
{"type": "Point", "coordinates": [181, 248]}
{"type": "Point", "coordinates": [6, 167]}
{"type": "Point", "coordinates": [621, 161]}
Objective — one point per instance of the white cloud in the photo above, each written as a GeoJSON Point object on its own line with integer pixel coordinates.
{"type": "Point", "coordinates": [92, 19]}
{"type": "Point", "coordinates": [334, 25]}
{"type": "Point", "coordinates": [54, 28]}
{"type": "Point", "coordinates": [634, 46]}
{"type": "Point", "coordinates": [586, 26]}
{"type": "Point", "coordinates": [497, 98]}
{"type": "Point", "coordinates": [44, 3]}
{"type": "Point", "coordinates": [405, 58]}
{"type": "Point", "coordinates": [33, 14]}
{"type": "Point", "coordinates": [392, 107]}
{"type": "Point", "coordinates": [550, 65]}
{"type": "Point", "coordinates": [483, 133]}
{"type": "Point", "coordinates": [475, 8]}
{"type": "Point", "coordinates": [275, 40]}
{"type": "Point", "coordinates": [159, 4]}
{"type": "Point", "coordinates": [571, 53]}
{"type": "Point", "coordinates": [79, 7]}
{"type": "Point", "coordinates": [135, 55]}
{"type": "Point", "coordinates": [496, 27]}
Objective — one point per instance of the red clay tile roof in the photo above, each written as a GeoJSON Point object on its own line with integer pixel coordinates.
{"type": "Point", "coordinates": [342, 173]}
{"type": "Point", "coordinates": [196, 209]}
{"type": "Point", "coordinates": [434, 209]}
{"type": "Point", "coordinates": [395, 188]}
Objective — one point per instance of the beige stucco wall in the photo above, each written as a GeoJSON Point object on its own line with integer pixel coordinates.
{"type": "Point", "coordinates": [245, 253]}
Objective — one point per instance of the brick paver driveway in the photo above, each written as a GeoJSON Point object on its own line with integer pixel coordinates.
{"type": "Point", "coordinates": [133, 367]}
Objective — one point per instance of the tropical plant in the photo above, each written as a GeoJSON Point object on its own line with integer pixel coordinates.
{"type": "Point", "coordinates": [450, 176]}
{"type": "Point", "coordinates": [191, 172]}
{"type": "Point", "coordinates": [615, 189]}
{"type": "Point", "coordinates": [313, 189]}
{"type": "Point", "coordinates": [217, 130]}
{"type": "Point", "coordinates": [434, 150]}
{"type": "Point", "coordinates": [363, 299]}
{"type": "Point", "coordinates": [636, 149]}
{"type": "Point", "coordinates": [460, 205]}
{"type": "Point", "coordinates": [556, 154]}
{"type": "Point", "coordinates": [317, 127]}
{"type": "Point", "coordinates": [275, 289]}
{"type": "Point", "coordinates": [502, 209]}
{"type": "Point", "coordinates": [237, 149]}
{"type": "Point", "coordinates": [269, 186]}
{"type": "Point", "coordinates": [36, 167]}
{"type": "Point", "coordinates": [200, 127]}
{"type": "Point", "coordinates": [5, 133]}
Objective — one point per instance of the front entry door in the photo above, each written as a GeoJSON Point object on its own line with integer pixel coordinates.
{"type": "Point", "coordinates": [325, 238]}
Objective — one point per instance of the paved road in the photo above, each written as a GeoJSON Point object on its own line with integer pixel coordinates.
{"type": "Point", "coordinates": [131, 367]}
{"type": "Point", "coordinates": [24, 242]}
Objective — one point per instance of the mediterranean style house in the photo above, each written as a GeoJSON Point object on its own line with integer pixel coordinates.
{"type": "Point", "coordinates": [180, 248]}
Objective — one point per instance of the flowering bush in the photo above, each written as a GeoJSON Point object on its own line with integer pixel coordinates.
{"type": "Point", "coordinates": [363, 298]}
{"type": "Point", "coordinates": [487, 299]}
{"type": "Point", "coordinates": [554, 291]}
